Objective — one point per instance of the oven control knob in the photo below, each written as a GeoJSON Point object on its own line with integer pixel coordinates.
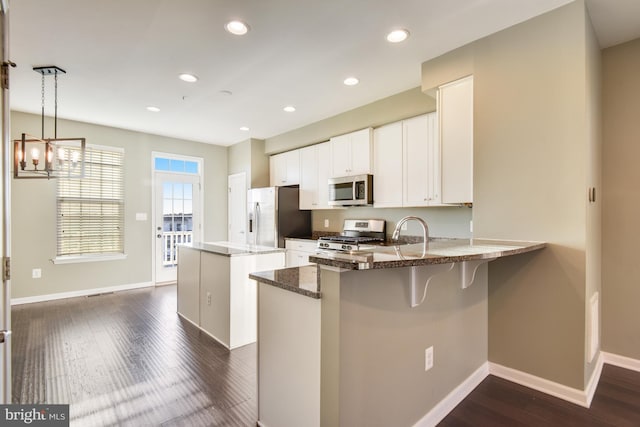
{"type": "Point", "coordinates": [346, 247]}
{"type": "Point", "coordinates": [324, 245]}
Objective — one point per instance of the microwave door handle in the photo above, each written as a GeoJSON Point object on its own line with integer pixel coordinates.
{"type": "Point", "coordinates": [353, 190]}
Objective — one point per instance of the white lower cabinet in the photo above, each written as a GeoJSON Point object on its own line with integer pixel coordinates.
{"type": "Point", "coordinates": [298, 252]}
{"type": "Point", "coordinates": [216, 294]}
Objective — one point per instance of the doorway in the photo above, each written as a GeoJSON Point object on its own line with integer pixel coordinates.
{"type": "Point", "coordinates": [177, 218]}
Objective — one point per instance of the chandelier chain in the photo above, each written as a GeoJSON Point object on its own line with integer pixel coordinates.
{"type": "Point", "coordinates": [42, 115]}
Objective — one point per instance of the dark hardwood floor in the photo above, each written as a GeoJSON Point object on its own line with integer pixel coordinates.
{"type": "Point", "coordinates": [127, 359]}
{"type": "Point", "coordinates": [496, 403]}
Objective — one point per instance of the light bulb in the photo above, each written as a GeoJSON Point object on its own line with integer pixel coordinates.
{"type": "Point", "coordinates": [35, 154]}
{"type": "Point", "coordinates": [62, 154]}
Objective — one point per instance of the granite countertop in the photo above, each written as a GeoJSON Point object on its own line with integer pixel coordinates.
{"type": "Point", "coordinates": [232, 249]}
{"type": "Point", "coordinates": [440, 251]}
{"type": "Point", "coordinates": [302, 280]}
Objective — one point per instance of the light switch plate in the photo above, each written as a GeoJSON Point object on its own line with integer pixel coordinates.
{"type": "Point", "coordinates": [141, 216]}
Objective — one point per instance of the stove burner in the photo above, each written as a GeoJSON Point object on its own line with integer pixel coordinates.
{"type": "Point", "coordinates": [351, 239]}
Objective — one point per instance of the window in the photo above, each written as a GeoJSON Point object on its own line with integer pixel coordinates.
{"type": "Point", "coordinates": [175, 165]}
{"type": "Point", "coordinates": [91, 210]}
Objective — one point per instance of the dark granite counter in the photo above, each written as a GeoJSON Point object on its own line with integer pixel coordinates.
{"type": "Point", "coordinates": [439, 251]}
{"type": "Point", "coordinates": [232, 249]}
{"type": "Point", "coordinates": [302, 280]}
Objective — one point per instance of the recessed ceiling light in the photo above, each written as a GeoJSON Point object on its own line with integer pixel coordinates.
{"type": "Point", "coordinates": [244, 129]}
{"type": "Point", "coordinates": [189, 78]}
{"type": "Point", "coordinates": [153, 109]}
{"type": "Point", "coordinates": [351, 81]}
{"type": "Point", "coordinates": [289, 108]}
{"type": "Point", "coordinates": [397, 36]}
{"type": "Point", "coordinates": [238, 28]}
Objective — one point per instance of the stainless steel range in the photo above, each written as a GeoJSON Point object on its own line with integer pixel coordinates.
{"type": "Point", "coordinates": [357, 234]}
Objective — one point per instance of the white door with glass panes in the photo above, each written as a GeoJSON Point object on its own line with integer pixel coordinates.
{"type": "Point", "coordinates": [177, 219]}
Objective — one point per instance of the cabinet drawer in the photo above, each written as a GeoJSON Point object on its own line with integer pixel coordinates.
{"type": "Point", "coordinates": [304, 246]}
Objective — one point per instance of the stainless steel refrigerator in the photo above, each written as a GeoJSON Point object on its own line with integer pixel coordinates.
{"type": "Point", "coordinates": [273, 214]}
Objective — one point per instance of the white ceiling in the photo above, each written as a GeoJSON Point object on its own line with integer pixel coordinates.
{"type": "Point", "coordinates": [124, 55]}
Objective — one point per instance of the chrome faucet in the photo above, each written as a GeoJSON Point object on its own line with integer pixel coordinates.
{"type": "Point", "coordinates": [425, 231]}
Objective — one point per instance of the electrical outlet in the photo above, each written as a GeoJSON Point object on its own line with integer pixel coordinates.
{"type": "Point", "coordinates": [326, 223]}
{"type": "Point", "coordinates": [471, 226]}
{"type": "Point", "coordinates": [208, 298]}
{"type": "Point", "coordinates": [36, 273]}
{"type": "Point", "coordinates": [428, 358]}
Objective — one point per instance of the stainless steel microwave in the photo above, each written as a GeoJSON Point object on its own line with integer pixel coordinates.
{"type": "Point", "coordinates": [351, 190]}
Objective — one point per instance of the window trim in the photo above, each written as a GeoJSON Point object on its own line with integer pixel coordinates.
{"type": "Point", "coordinates": [98, 257]}
{"type": "Point", "coordinates": [76, 259]}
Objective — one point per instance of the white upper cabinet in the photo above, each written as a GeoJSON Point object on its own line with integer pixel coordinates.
{"type": "Point", "coordinates": [387, 166]}
{"type": "Point", "coordinates": [284, 168]}
{"type": "Point", "coordinates": [421, 161]}
{"type": "Point", "coordinates": [455, 108]}
{"type": "Point", "coordinates": [315, 169]}
{"type": "Point", "coordinates": [309, 177]}
{"type": "Point", "coordinates": [351, 153]}
{"type": "Point", "coordinates": [406, 158]}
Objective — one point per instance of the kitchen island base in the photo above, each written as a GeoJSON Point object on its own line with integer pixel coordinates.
{"type": "Point", "coordinates": [356, 356]}
{"type": "Point", "coordinates": [215, 292]}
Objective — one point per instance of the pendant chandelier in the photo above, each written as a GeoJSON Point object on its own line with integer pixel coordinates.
{"type": "Point", "coordinates": [49, 157]}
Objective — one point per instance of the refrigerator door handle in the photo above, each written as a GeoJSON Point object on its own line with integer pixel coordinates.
{"type": "Point", "coordinates": [257, 210]}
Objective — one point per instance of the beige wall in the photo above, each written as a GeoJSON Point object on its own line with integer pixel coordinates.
{"type": "Point", "coordinates": [594, 179]}
{"type": "Point", "coordinates": [373, 343]}
{"type": "Point", "coordinates": [34, 210]}
{"type": "Point", "coordinates": [442, 221]}
{"type": "Point", "coordinates": [531, 169]}
{"type": "Point", "coordinates": [621, 182]}
{"type": "Point", "coordinates": [391, 109]}
{"type": "Point", "coordinates": [249, 157]}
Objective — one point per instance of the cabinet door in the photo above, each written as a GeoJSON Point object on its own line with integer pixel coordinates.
{"type": "Point", "coordinates": [277, 170]}
{"type": "Point", "coordinates": [284, 168]}
{"type": "Point", "coordinates": [324, 173]}
{"type": "Point", "coordinates": [455, 107]}
{"type": "Point", "coordinates": [292, 167]}
{"type": "Point", "coordinates": [360, 152]}
{"type": "Point", "coordinates": [297, 258]}
{"type": "Point", "coordinates": [309, 177]}
{"type": "Point", "coordinates": [340, 155]}
{"type": "Point", "coordinates": [421, 160]}
{"type": "Point", "coordinates": [387, 165]}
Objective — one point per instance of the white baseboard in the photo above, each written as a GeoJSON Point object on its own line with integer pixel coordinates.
{"type": "Point", "coordinates": [592, 385]}
{"type": "Point", "coordinates": [80, 293]}
{"type": "Point", "coordinates": [457, 395]}
{"type": "Point", "coordinates": [561, 391]}
{"type": "Point", "coordinates": [621, 361]}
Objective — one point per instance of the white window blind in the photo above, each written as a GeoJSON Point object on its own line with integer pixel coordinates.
{"type": "Point", "coordinates": [91, 209]}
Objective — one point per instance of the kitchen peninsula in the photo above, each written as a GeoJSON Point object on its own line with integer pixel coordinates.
{"type": "Point", "coordinates": [214, 289]}
{"type": "Point", "coordinates": [376, 338]}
